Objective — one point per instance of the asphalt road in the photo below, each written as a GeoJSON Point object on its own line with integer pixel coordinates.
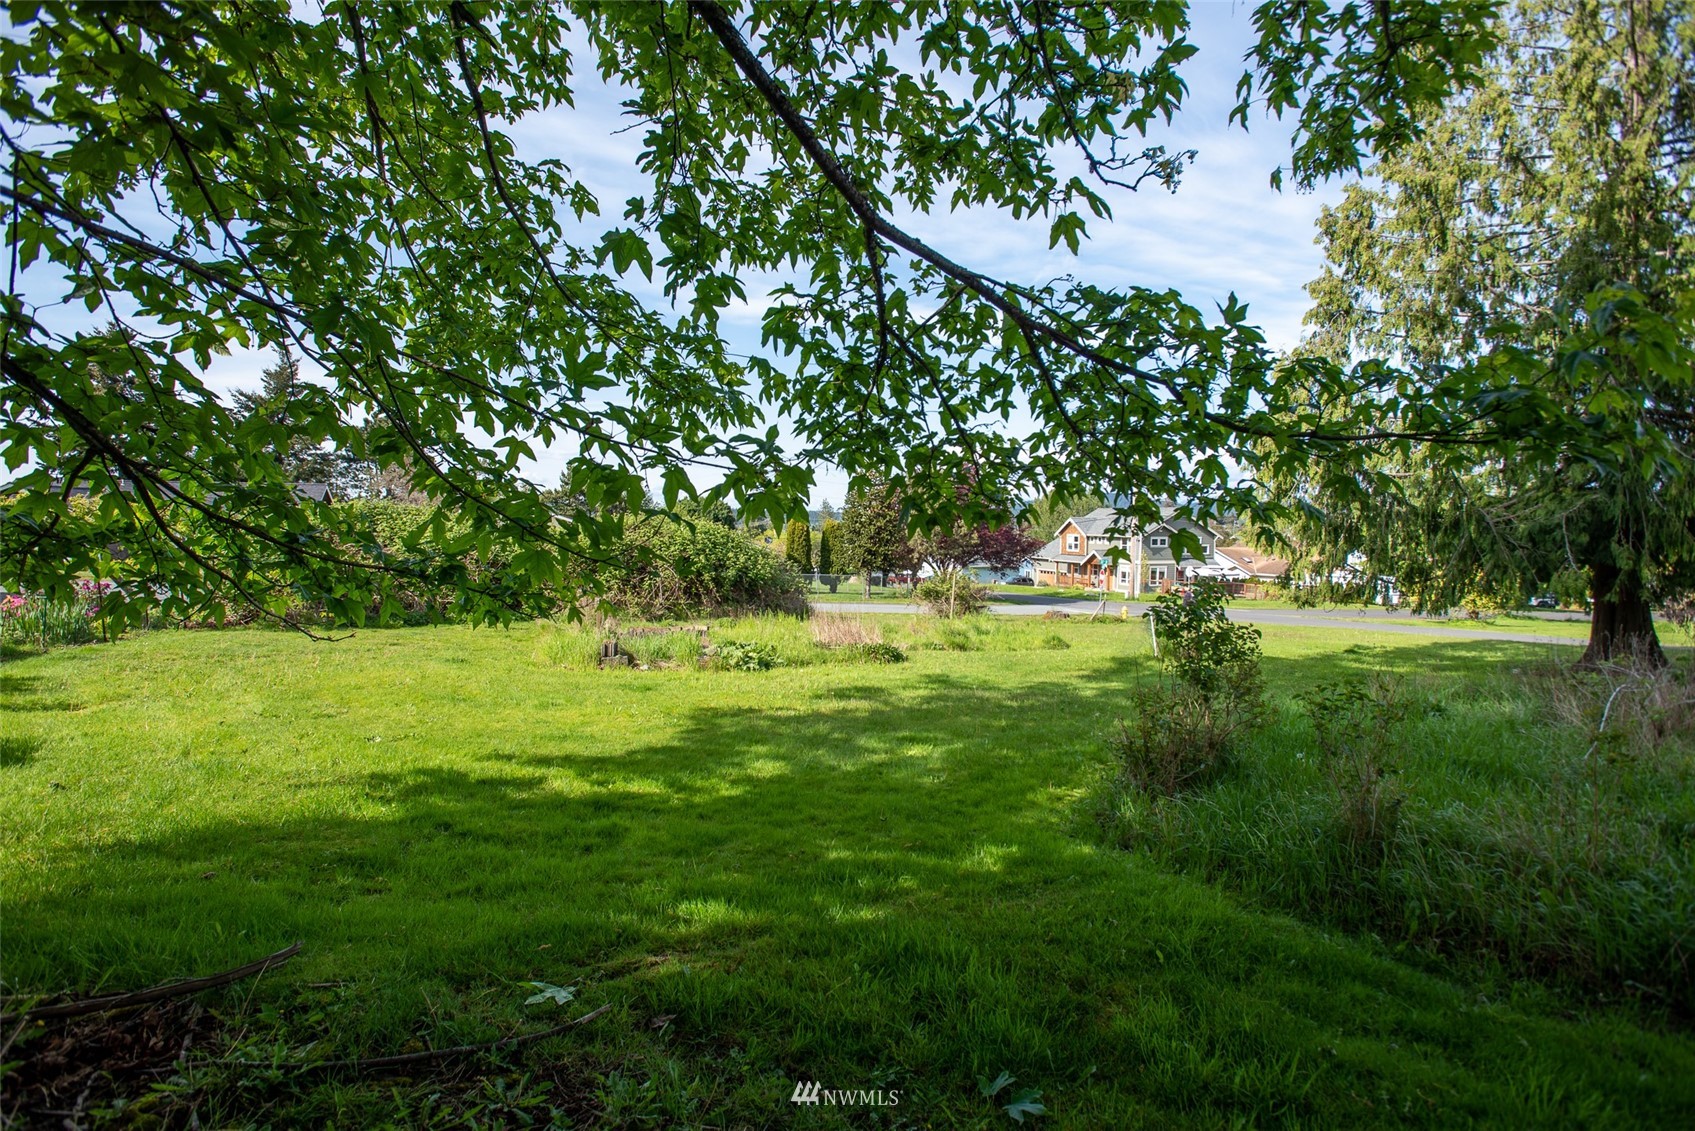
{"type": "Point", "coordinates": [1365, 620]}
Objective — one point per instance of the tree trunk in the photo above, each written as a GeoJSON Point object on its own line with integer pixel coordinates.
{"type": "Point", "coordinates": [1622, 625]}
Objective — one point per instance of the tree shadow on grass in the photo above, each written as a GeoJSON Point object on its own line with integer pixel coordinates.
{"type": "Point", "coordinates": [881, 883]}
{"type": "Point", "coordinates": [18, 750]}
{"type": "Point", "coordinates": [31, 693]}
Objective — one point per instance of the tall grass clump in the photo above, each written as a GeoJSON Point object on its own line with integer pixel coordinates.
{"type": "Point", "coordinates": [789, 638]}
{"type": "Point", "coordinates": [1541, 824]}
{"type": "Point", "coordinates": [834, 630]}
{"type": "Point", "coordinates": [570, 645]}
{"type": "Point", "coordinates": [986, 633]}
{"type": "Point", "coordinates": [577, 645]}
{"type": "Point", "coordinates": [1354, 725]}
{"type": "Point", "coordinates": [679, 647]}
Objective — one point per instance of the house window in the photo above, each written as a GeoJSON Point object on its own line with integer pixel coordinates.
{"type": "Point", "coordinates": [1158, 541]}
{"type": "Point", "coordinates": [1072, 542]}
{"type": "Point", "coordinates": [1157, 573]}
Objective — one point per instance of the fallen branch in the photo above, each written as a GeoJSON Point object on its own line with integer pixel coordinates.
{"type": "Point", "coordinates": [157, 993]}
{"type": "Point", "coordinates": [376, 1064]}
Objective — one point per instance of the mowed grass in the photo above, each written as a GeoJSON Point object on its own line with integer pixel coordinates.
{"type": "Point", "coordinates": [1538, 626]}
{"type": "Point", "coordinates": [863, 875]}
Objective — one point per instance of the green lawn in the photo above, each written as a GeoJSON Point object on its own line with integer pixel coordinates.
{"type": "Point", "coordinates": [1574, 629]}
{"type": "Point", "coordinates": [864, 875]}
{"type": "Point", "coordinates": [850, 594]}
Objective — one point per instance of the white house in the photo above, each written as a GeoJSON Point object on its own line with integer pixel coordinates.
{"type": "Point", "coordinates": [1244, 563]}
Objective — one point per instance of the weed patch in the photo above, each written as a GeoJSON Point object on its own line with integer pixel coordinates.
{"type": "Point", "coordinates": [835, 630]}
{"type": "Point", "coordinates": [1496, 824]}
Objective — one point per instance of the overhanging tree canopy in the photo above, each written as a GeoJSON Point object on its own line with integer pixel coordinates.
{"type": "Point", "coordinates": [343, 184]}
{"type": "Point", "coordinates": [1569, 169]}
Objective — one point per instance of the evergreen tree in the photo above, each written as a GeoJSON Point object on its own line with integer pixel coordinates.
{"type": "Point", "coordinates": [276, 408]}
{"type": "Point", "coordinates": [873, 537]}
{"type": "Point", "coordinates": [1569, 170]}
{"type": "Point", "coordinates": [561, 500]}
{"type": "Point", "coordinates": [1048, 512]}
{"type": "Point", "coordinates": [827, 544]}
{"type": "Point", "coordinates": [797, 546]}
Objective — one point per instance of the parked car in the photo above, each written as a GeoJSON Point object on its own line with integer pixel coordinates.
{"type": "Point", "coordinates": [1544, 601]}
{"type": "Point", "coordinates": [1021, 581]}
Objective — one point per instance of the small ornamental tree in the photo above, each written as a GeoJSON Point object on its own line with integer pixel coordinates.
{"type": "Point", "coordinates": [1005, 549]}
{"type": "Point", "coordinates": [1000, 548]}
{"type": "Point", "coordinates": [270, 412]}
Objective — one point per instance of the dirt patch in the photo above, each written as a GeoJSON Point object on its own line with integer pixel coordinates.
{"type": "Point", "coordinates": [64, 1071]}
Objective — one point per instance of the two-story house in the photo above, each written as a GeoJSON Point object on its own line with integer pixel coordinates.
{"type": "Point", "coordinates": [1079, 553]}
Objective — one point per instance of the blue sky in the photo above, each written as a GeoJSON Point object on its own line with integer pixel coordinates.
{"type": "Point", "coordinates": [1224, 229]}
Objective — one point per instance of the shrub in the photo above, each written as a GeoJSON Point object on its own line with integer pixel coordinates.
{"type": "Point", "coordinates": [954, 637]}
{"type": "Point", "coordinates": [664, 569]}
{"type": "Point", "coordinates": [402, 531]}
{"type": "Point", "coordinates": [741, 656]}
{"type": "Point", "coordinates": [1199, 645]}
{"type": "Point", "coordinates": [1212, 693]}
{"type": "Point", "coordinates": [1054, 642]}
{"type": "Point", "coordinates": [1313, 594]}
{"type": "Point", "coordinates": [1179, 737]}
{"type": "Point", "coordinates": [951, 594]}
{"type": "Point", "coordinates": [1478, 604]}
{"type": "Point", "coordinates": [876, 652]}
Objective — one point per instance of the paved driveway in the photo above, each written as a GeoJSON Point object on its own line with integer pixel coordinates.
{"type": "Point", "coordinates": [1364, 620]}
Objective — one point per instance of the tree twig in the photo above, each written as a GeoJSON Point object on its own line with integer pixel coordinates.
{"type": "Point", "coordinates": [159, 993]}
{"type": "Point", "coordinates": [379, 1063]}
